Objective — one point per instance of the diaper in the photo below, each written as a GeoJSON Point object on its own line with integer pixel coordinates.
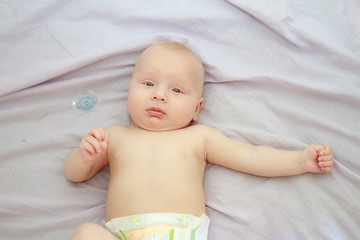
{"type": "Point", "coordinates": [160, 226]}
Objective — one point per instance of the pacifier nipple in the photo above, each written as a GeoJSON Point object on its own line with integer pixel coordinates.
{"type": "Point", "coordinates": [87, 101]}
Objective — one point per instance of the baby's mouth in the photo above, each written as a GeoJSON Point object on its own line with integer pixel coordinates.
{"type": "Point", "coordinates": [155, 112]}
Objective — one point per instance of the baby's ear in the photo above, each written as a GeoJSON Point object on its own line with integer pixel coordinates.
{"type": "Point", "coordinates": [198, 108]}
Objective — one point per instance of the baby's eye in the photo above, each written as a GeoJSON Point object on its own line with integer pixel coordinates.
{"type": "Point", "coordinates": [177, 90]}
{"type": "Point", "coordinates": [149, 84]}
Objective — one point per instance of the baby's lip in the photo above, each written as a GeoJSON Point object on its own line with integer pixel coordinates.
{"type": "Point", "coordinates": [155, 112]}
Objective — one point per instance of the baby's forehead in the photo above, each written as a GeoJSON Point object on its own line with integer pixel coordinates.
{"type": "Point", "coordinates": [176, 49]}
{"type": "Point", "coordinates": [161, 53]}
{"type": "Point", "coordinates": [170, 47]}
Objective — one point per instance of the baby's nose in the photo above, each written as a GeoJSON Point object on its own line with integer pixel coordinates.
{"type": "Point", "coordinates": [159, 96]}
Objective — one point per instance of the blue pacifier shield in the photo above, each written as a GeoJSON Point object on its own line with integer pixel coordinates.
{"type": "Point", "coordinates": [86, 101]}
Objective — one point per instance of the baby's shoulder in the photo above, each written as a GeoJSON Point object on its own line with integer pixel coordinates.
{"type": "Point", "coordinates": [204, 130]}
{"type": "Point", "coordinates": [116, 130]}
{"type": "Point", "coordinates": [200, 128]}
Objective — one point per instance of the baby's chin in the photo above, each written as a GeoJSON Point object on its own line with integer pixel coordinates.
{"type": "Point", "coordinates": [158, 128]}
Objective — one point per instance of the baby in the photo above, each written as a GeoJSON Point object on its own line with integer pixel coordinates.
{"type": "Point", "coordinates": [157, 164]}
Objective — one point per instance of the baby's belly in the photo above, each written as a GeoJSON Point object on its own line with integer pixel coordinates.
{"type": "Point", "coordinates": [136, 195]}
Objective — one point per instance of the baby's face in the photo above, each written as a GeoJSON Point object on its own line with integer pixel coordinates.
{"type": "Point", "coordinates": [165, 89]}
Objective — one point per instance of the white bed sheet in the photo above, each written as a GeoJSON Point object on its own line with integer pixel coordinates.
{"type": "Point", "coordinates": [279, 73]}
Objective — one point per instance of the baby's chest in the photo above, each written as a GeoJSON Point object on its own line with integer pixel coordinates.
{"type": "Point", "coordinates": [158, 151]}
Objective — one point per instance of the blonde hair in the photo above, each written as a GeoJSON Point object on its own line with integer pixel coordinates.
{"type": "Point", "coordinates": [174, 46]}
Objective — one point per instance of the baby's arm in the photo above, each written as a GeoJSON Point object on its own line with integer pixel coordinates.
{"type": "Point", "coordinates": [266, 161]}
{"type": "Point", "coordinates": [84, 162]}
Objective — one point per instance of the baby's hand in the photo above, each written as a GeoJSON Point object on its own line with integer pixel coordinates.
{"type": "Point", "coordinates": [92, 145]}
{"type": "Point", "coordinates": [317, 158]}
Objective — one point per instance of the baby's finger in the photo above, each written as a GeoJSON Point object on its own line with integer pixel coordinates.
{"type": "Point", "coordinates": [328, 157]}
{"type": "Point", "coordinates": [326, 166]}
{"type": "Point", "coordinates": [326, 151]}
{"type": "Point", "coordinates": [102, 134]}
{"type": "Point", "coordinates": [326, 169]}
{"type": "Point", "coordinates": [95, 144]}
{"type": "Point", "coordinates": [326, 163]}
{"type": "Point", "coordinates": [98, 133]}
{"type": "Point", "coordinates": [326, 154]}
{"type": "Point", "coordinates": [87, 147]}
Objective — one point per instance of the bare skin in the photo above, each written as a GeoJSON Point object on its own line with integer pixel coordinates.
{"type": "Point", "coordinates": [168, 170]}
{"type": "Point", "coordinates": [168, 167]}
{"type": "Point", "coordinates": [158, 163]}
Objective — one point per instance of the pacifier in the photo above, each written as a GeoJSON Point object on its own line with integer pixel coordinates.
{"type": "Point", "coordinates": [87, 101]}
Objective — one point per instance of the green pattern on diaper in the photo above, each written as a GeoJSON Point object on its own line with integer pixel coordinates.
{"type": "Point", "coordinates": [135, 221]}
{"type": "Point", "coordinates": [181, 235]}
{"type": "Point", "coordinates": [123, 235]}
{"type": "Point", "coordinates": [183, 219]}
{"type": "Point", "coordinates": [171, 235]}
{"type": "Point", "coordinates": [145, 227]}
